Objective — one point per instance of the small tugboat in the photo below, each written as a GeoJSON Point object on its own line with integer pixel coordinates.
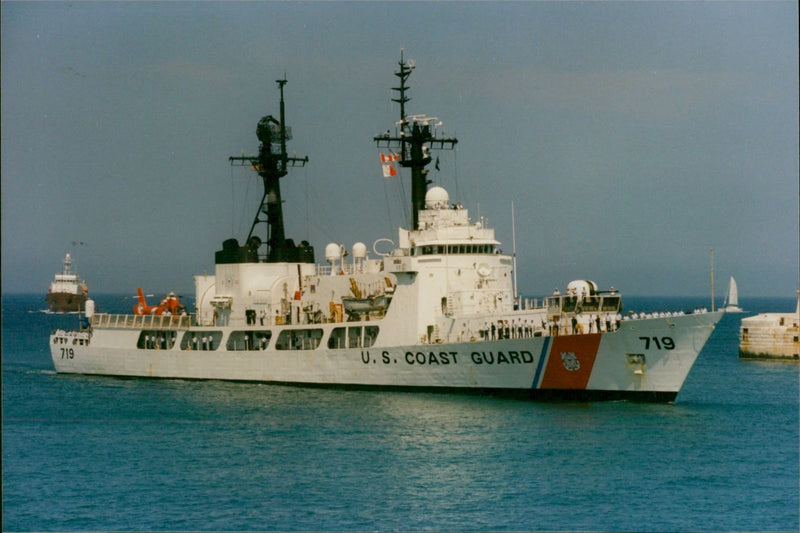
{"type": "Point", "coordinates": [771, 336]}
{"type": "Point", "coordinates": [66, 294]}
{"type": "Point", "coordinates": [438, 312]}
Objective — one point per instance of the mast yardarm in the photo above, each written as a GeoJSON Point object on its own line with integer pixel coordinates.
{"type": "Point", "coordinates": [271, 163]}
{"type": "Point", "coordinates": [414, 136]}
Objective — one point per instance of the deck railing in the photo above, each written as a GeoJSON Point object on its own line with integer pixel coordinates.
{"type": "Point", "coordinates": [106, 320]}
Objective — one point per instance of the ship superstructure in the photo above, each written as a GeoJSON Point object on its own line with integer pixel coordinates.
{"type": "Point", "coordinates": [67, 292]}
{"type": "Point", "coordinates": [437, 312]}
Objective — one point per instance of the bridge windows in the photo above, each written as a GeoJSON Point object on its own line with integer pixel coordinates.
{"type": "Point", "coordinates": [441, 249]}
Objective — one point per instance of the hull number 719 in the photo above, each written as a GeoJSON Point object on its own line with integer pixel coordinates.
{"type": "Point", "coordinates": [666, 342]}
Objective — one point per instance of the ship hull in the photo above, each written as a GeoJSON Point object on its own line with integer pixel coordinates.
{"type": "Point", "coordinates": [64, 302]}
{"type": "Point", "coordinates": [645, 360]}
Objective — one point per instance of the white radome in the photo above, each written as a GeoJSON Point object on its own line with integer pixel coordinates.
{"type": "Point", "coordinates": [436, 198]}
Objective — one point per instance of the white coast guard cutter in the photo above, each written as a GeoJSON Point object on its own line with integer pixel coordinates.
{"type": "Point", "coordinates": [437, 313]}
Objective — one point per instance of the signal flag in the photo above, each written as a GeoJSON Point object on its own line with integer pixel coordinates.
{"type": "Point", "coordinates": [388, 169]}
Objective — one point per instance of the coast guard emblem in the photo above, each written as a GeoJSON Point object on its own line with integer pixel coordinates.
{"type": "Point", "coordinates": [570, 361]}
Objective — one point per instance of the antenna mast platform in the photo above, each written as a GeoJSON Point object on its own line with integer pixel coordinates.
{"type": "Point", "coordinates": [272, 163]}
{"type": "Point", "coordinates": [414, 136]}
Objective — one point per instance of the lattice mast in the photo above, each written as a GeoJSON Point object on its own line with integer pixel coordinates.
{"type": "Point", "coordinates": [272, 163]}
{"type": "Point", "coordinates": [414, 136]}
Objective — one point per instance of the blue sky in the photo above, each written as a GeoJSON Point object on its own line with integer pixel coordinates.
{"type": "Point", "coordinates": [632, 137]}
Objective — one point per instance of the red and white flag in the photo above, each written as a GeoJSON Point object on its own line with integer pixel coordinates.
{"type": "Point", "coordinates": [388, 168]}
{"type": "Point", "coordinates": [389, 171]}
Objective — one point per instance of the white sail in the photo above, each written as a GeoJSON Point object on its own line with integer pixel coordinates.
{"type": "Point", "coordinates": [732, 298]}
{"type": "Point", "coordinates": [733, 293]}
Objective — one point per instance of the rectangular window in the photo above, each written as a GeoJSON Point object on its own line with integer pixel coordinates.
{"type": "Point", "coordinates": [610, 303]}
{"type": "Point", "coordinates": [370, 334]}
{"type": "Point", "coordinates": [353, 337]}
{"type": "Point", "coordinates": [156, 339]}
{"type": "Point", "coordinates": [299, 339]}
{"type": "Point", "coordinates": [201, 340]}
{"type": "Point", "coordinates": [569, 303]}
{"type": "Point", "coordinates": [249, 340]}
{"type": "Point", "coordinates": [337, 338]}
{"type": "Point", "coordinates": [590, 303]}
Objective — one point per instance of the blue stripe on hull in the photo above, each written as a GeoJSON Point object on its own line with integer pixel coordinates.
{"type": "Point", "coordinates": [540, 364]}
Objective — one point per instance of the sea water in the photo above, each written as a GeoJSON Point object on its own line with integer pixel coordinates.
{"type": "Point", "coordinates": [102, 453]}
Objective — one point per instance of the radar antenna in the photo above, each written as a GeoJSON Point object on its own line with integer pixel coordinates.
{"type": "Point", "coordinates": [272, 163]}
{"type": "Point", "coordinates": [414, 136]}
